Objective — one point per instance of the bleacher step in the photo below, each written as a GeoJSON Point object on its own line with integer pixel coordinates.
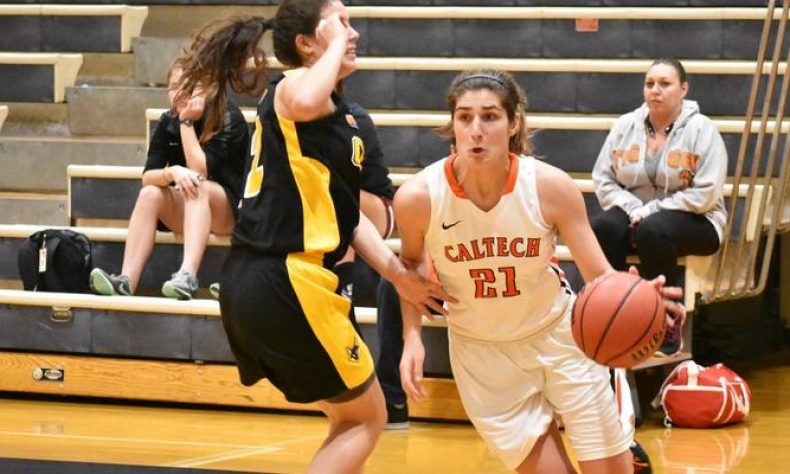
{"type": "Point", "coordinates": [77, 27]}
{"type": "Point", "coordinates": [37, 77]}
{"type": "Point", "coordinates": [180, 382]}
{"type": "Point", "coordinates": [153, 56]}
{"type": "Point", "coordinates": [33, 208]}
{"type": "Point", "coordinates": [108, 69]}
{"type": "Point", "coordinates": [181, 18]}
{"type": "Point", "coordinates": [38, 164]}
{"type": "Point", "coordinates": [35, 118]}
{"type": "Point", "coordinates": [106, 110]}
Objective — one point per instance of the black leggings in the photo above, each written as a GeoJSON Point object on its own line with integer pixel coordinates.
{"type": "Point", "coordinates": [660, 239]}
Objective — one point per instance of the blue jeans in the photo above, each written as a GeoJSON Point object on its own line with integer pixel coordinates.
{"type": "Point", "coordinates": [390, 331]}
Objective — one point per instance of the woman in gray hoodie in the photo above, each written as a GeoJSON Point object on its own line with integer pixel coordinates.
{"type": "Point", "coordinates": [659, 178]}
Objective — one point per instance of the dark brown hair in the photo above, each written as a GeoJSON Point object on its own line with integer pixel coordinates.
{"type": "Point", "coordinates": [295, 17]}
{"type": "Point", "coordinates": [218, 58]}
{"type": "Point", "coordinates": [220, 52]}
{"type": "Point", "coordinates": [512, 96]}
{"type": "Point", "coordinates": [675, 64]}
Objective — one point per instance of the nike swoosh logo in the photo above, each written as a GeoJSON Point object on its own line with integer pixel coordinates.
{"type": "Point", "coordinates": [447, 226]}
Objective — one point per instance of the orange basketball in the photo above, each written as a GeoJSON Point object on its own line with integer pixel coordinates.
{"type": "Point", "coordinates": [618, 320]}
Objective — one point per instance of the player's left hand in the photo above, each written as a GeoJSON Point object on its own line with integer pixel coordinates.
{"type": "Point", "coordinates": [422, 293]}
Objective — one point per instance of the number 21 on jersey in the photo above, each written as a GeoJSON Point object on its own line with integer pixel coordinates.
{"type": "Point", "coordinates": [489, 283]}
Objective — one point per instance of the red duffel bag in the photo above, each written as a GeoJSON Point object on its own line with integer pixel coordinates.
{"type": "Point", "coordinates": [693, 396]}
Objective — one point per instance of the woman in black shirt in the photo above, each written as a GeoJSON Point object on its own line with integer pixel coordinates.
{"type": "Point", "coordinates": [191, 185]}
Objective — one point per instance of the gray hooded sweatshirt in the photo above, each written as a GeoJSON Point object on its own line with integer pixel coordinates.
{"type": "Point", "coordinates": [691, 170]}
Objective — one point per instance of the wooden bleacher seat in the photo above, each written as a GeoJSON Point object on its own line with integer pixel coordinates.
{"type": "Point", "coordinates": [99, 192]}
{"type": "Point", "coordinates": [178, 347]}
{"type": "Point", "coordinates": [533, 31]}
{"type": "Point", "coordinates": [568, 141]}
{"type": "Point", "coordinates": [65, 28]}
{"type": "Point", "coordinates": [552, 32]}
{"type": "Point", "coordinates": [552, 85]}
{"type": "Point", "coordinates": [37, 77]}
{"type": "Point", "coordinates": [107, 253]}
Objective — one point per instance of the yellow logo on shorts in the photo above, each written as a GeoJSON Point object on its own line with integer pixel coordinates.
{"type": "Point", "coordinates": [353, 352]}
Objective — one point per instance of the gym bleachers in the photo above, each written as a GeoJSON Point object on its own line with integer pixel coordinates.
{"type": "Point", "coordinates": [37, 77]}
{"type": "Point", "coordinates": [581, 62]}
{"type": "Point", "coordinates": [568, 141]}
{"type": "Point", "coordinates": [105, 193]}
{"type": "Point", "coordinates": [557, 32]}
{"type": "Point", "coordinates": [80, 28]}
{"type": "Point", "coordinates": [41, 46]}
{"type": "Point", "coordinates": [43, 50]}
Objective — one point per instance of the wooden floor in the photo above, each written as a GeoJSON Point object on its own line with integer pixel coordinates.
{"type": "Point", "coordinates": [263, 442]}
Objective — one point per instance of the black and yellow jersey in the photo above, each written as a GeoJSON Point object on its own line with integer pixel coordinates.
{"type": "Point", "coordinates": [302, 184]}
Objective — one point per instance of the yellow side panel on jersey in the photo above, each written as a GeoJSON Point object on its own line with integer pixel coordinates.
{"type": "Point", "coordinates": [327, 314]}
{"type": "Point", "coordinates": [321, 232]}
{"type": "Point", "coordinates": [255, 177]}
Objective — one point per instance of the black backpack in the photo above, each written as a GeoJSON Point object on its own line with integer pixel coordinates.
{"type": "Point", "coordinates": [65, 267]}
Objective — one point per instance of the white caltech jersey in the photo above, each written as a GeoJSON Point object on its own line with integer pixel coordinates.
{"type": "Point", "coordinates": [496, 263]}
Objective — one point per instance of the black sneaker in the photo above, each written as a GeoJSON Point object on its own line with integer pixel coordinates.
{"type": "Point", "coordinates": [641, 459]}
{"type": "Point", "coordinates": [103, 283]}
{"type": "Point", "coordinates": [397, 417]}
{"type": "Point", "coordinates": [673, 341]}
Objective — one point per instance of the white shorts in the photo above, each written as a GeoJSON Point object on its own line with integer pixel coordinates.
{"type": "Point", "coordinates": [513, 390]}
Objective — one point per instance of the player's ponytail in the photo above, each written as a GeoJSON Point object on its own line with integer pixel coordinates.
{"type": "Point", "coordinates": [224, 54]}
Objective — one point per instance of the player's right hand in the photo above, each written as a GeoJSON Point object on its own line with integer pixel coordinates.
{"type": "Point", "coordinates": [671, 296]}
{"type": "Point", "coordinates": [331, 29]}
{"type": "Point", "coordinates": [411, 364]}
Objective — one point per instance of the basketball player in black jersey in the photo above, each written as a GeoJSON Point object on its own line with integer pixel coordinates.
{"type": "Point", "coordinates": [280, 301]}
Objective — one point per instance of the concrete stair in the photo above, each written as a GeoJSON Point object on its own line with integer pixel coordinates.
{"type": "Point", "coordinates": [38, 163]}
{"type": "Point", "coordinates": [33, 184]}
{"type": "Point", "coordinates": [106, 110]}
{"type": "Point", "coordinates": [33, 208]}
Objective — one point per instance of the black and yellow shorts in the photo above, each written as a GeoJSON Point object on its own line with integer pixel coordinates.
{"type": "Point", "coordinates": [285, 322]}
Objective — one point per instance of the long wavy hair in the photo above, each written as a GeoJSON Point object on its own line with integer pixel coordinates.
{"type": "Point", "coordinates": [219, 57]}
{"type": "Point", "coordinates": [220, 53]}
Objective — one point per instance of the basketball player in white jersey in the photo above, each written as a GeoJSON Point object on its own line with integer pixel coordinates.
{"type": "Point", "coordinates": [488, 217]}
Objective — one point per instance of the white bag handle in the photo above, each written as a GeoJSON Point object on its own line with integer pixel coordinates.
{"type": "Point", "coordinates": [692, 367]}
{"type": "Point", "coordinates": [693, 373]}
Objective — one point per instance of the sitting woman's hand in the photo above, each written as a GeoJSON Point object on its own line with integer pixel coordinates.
{"type": "Point", "coordinates": [193, 108]}
{"type": "Point", "coordinates": [637, 215]}
{"type": "Point", "coordinates": [187, 181]}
